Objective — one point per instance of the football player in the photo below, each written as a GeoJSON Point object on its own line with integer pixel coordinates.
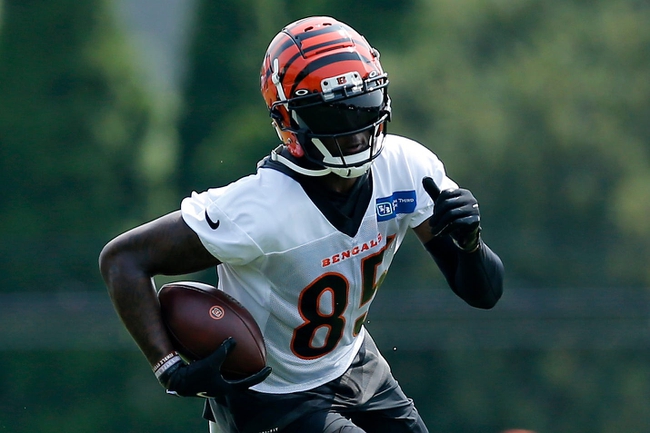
{"type": "Point", "coordinates": [304, 243]}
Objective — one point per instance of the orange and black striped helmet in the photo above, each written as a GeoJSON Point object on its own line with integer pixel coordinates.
{"type": "Point", "coordinates": [320, 78]}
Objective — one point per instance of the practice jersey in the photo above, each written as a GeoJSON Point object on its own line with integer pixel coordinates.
{"type": "Point", "coordinates": [308, 285]}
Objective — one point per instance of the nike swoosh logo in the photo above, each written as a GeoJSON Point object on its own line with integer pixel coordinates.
{"type": "Point", "coordinates": [213, 224]}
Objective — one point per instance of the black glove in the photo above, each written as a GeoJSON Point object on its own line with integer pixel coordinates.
{"type": "Point", "coordinates": [203, 378]}
{"type": "Point", "coordinates": [456, 214]}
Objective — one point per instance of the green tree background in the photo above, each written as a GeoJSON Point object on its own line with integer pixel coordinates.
{"type": "Point", "coordinates": [540, 108]}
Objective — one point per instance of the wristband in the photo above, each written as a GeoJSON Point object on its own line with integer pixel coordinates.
{"type": "Point", "coordinates": [164, 364]}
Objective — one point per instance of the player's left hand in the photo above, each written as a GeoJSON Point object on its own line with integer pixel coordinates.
{"type": "Point", "coordinates": [456, 213]}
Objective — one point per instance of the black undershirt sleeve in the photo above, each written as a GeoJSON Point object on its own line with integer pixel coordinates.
{"type": "Point", "coordinates": [476, 277]}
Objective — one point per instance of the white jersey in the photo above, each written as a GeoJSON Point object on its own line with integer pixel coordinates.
{"type": "Point", "coordinates": [308, 285]}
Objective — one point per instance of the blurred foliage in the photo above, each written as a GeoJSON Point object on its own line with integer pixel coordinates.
{"type": "Point", "coordinates": [555, 391]}
{"type": "Point", "coordinates": [84, 391]}
{"type": "Point", "coordinates": [540, 108]}
{"type": "Point", "coordinates": [74, 124]}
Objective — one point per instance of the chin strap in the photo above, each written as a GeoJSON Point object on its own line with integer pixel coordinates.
{"type": "Point", "coordinates": [346, 172]}
{"type": "Point", "coordinates": [276, 156]}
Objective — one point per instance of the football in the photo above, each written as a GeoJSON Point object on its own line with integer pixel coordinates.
{"type": "Point", "coordinates": [199, 317]}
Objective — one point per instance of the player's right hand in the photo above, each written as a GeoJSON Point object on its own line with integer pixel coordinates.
{"type": "Point", "coordinates": [203, 378]}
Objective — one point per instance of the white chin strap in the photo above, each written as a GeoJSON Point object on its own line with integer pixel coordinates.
{"type": "Point", "coordinates": [275, 156]}
{"type": "Point", "coordinates": [349, 166]}
{"type": "Point", "coordinates": [349, 172]}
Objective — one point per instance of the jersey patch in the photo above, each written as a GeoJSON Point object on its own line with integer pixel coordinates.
{"type": "Point", "coordinates": [398, 202]}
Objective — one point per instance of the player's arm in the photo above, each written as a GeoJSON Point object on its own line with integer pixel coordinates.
{"type": "Point", "coordinates": [128, 263]}
{"type": "Point", "coordinates": [453, 238]}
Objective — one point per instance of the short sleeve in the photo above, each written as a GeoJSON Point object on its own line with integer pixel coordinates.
{"type": "Point", "coordinates": [220, 235]}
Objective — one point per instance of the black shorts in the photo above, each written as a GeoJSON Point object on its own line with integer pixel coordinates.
{"type": "Point", "coordinates": [366, 398]}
